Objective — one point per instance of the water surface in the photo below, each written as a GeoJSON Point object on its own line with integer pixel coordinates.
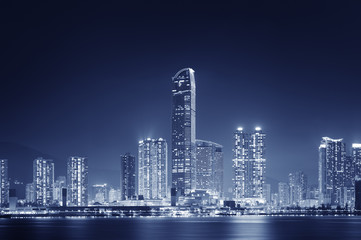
{"type": "Point", "coordinates": [244, 227]}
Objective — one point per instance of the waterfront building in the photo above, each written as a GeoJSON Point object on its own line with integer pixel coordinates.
{"type": "Point", "coordinates": [209, 167]}
{"type": "Point", "coordinates": [184, 131]}
{"type": "Point", "coordinates": [4, 183]}
{"type": "Point", "coordinates": [298, 187]}
{"type": "Point", "coordinates": [59, 184]}
{"type": "Point", "coordinates": [332, 157]}
{"type": "Point", "coordinates": [77, 181]}
{"type": "Point", "coordinates": [100, 193]}
{"type": "Point", "coordinates": [127, 177]}
{"type": "Point", "coordinates": [43, 180]}
{"type": "Point", "coordinates": [29, 193]}
{"type": "Point", "coordinates": [267, 192]}
{"type": "Point", "coordinates": [249, 165]}
{"type": "Point", "coordinates": [152, 168]}
{"type": "Point", "coordinates": [358, 193]}
{"type": "Point", "coordinates": [356, 158]}
{"type": "Point", "coordinates": [283, 194]}
{"type": "Point", "coordinates": [114, 195]}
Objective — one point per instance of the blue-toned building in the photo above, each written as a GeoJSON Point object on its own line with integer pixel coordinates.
{"type": "Point", "coordinates": [77, 181]}
{"type": "Point", "coordinates": [184, 131]}
{"type": "Point", "coordinates": [249, 165]}
{"type": "Point", "coordinates": [4, 183]}
{"type": "Point", "coordinates": [127, 177]}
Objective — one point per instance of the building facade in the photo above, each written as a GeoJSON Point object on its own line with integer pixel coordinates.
{"type": "Point", "coordinates": [152, 168]}
{"type": "Point", "coordinates": [4, 183]}
{"type": "Point", "coordinates": [331, 166]}
{"type": "Point", "coordinates": [127, 177]}
{"type": "Point", "coordinates": [249, 165]}
{"type": "Point", "coordinates": [77, 181]}
{"type": "Point", "coordinates": [59, 184]}
{"type": "Point", "coordinates": [358, 194]}
{"type": "Point", "coordinates": [283, 194]}
{"type": "Point", "coordinates": [209, 167]}
{"type": "Point", "coordinates": [356, 158]}
{"type": "Point", "coordinates": [184, 131]}
{"type": "Point", "coordinates": [29, 193]}
{"type": "Point", "coordinates": [100, 193]}
{"type": "Point", "coordinates": [43, 180]}
{"type": "Point", "coordinates": [298, 187]}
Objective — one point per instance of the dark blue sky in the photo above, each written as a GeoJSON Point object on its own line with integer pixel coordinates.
{"type": "Point", "coordinates": [92, 78]}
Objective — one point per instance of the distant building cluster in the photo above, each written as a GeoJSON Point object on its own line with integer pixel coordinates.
{"type": "Point", "coordinates": [338, 172]}
{"type": "Point", "coordinates": [194, 173]}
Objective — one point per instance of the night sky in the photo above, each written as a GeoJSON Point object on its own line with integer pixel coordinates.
{"type": "Point", "coordinates": [92, 79]}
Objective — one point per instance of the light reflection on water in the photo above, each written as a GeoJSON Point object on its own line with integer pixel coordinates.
{"type": "Point", "coordinates": [244, 227]}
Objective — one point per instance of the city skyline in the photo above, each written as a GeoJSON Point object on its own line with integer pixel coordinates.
{"type": "Point", "coordinates": [253, 70]}
{"type": "Point", "coordinates": [190, 71]}
{"type": "Point", "coordinates": [232, 119]}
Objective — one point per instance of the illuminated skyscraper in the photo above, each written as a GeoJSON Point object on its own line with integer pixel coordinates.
{"type": "Point", "coordinates": [4, 183]}
{"type": "Point", "coordinates": [184, 131]}
{"type": "Point", "coordinates": [127, 177]}
{"type": "Point", "coordinates": [356, 158]}
{"type": "Point", "coordinates": [152, 164]}
{"type": "Point", "coordinates": [357, 193]}
{"type": "Point", "coordinates": [298, 187]}
{"type": "Point", "coordinates": [77, 181]}
{"type": "Point", "coordinates": [331, 165]}
{"type": "Point", "coordinates": [209, 167]}
{"type": "Point", "coordinates": [43, 180]}
{"type": "Point", "coordinates": [249, 165]}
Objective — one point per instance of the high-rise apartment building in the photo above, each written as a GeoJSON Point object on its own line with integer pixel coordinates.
{"type": "Point", "coordinates": [356, 158]}
{"type": "Point", "coordinates": [152, 168]}
{"type": "Point", "coordinates": [77, 181]}
{"type": "Point", "coordinates": [283, 194]}
{"type": "Point", "coordinates": [127, 177]}
{"type": "Point", "coordinates": [43, 180]}
{"type": "Point", "coordinates": [184, 131]}
{"type": "Point", "coordinates": [298, 187]}
{"type": "Point", "coordinates": [358, 193]}
{"type": "Point", "coordinates": [29, 193]}
{"type": "Point", "coordinates": [4, 183]}
{"type": "Point", "coordinates": [331, 169]}
{"type": "Point", "coordinates": [249, 165]}
{"type": "Point", "coordinates": [209, 167]}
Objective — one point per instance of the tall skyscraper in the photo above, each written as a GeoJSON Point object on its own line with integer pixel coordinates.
{"type": "Point", "coordinates": [77, 181]}
{"type": "Point", "coordinates": [152, 164]}
{"type": "Point", "coordinates": [4, 183]}
{"type": "Point", "coordinates": [298, 187]}
{"type": "Point", "coordinates": [358, 193]}
{"type": "Point", "coordinates": [356, 158]}
{"type": "Point", "coordinates": [43, 180]}
{"type": "Point", "coordinates": [249, 165]}
{"type": "Point", "coordinates": [127, 177]}
{"type": "Point", "coordinates": [184, 131]}
{"type": "Point", "coordinates": [209, 167]}
{"type": "Point", "coordinates": [332, 157]}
